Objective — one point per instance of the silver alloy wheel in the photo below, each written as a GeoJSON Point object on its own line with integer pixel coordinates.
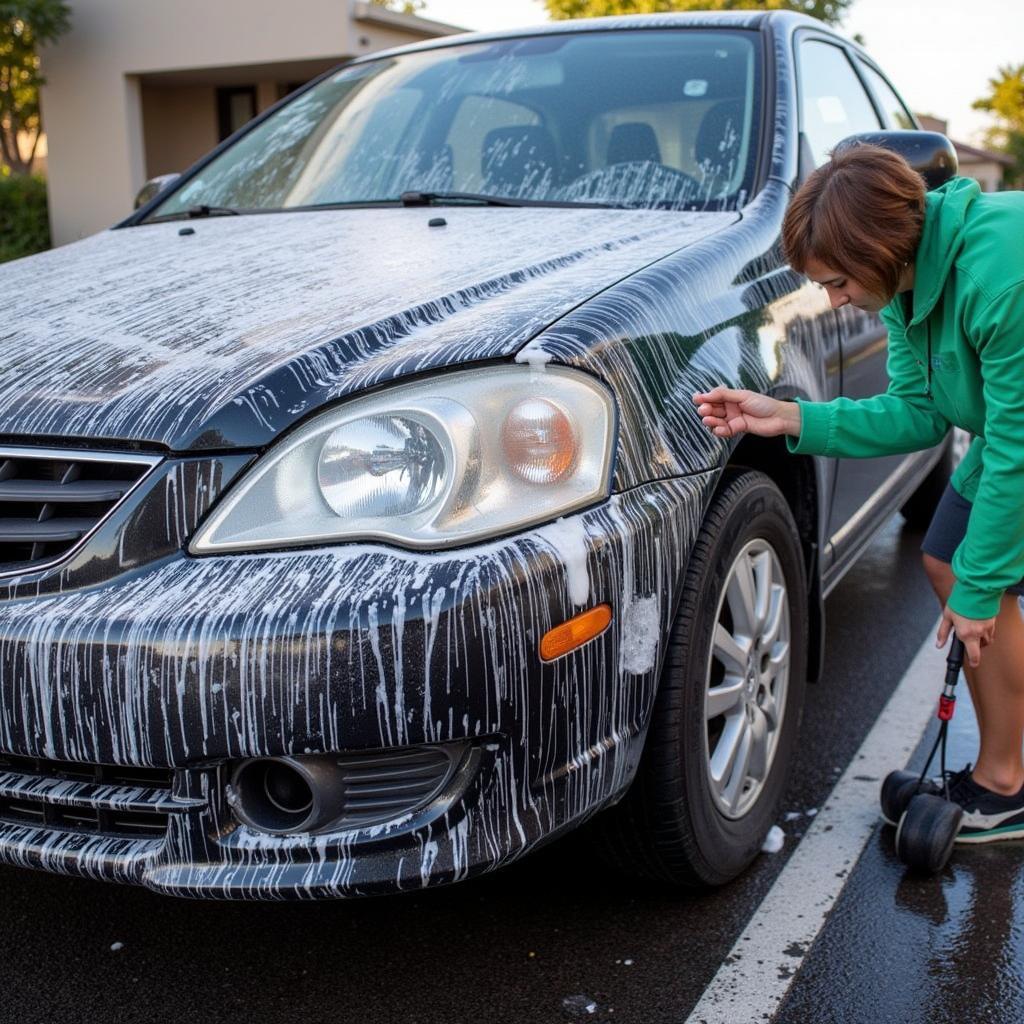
{"type": "Point", "coordinates": [745, 696]}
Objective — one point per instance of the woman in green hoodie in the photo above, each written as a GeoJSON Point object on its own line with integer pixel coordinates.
{"type": "Point", "coordinates": [945, 270]}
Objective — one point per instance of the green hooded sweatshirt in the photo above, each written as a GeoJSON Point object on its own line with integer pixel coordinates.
{"type": "Point", "coordinates": [959, 359]}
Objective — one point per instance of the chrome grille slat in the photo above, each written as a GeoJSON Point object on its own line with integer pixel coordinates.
{"type": "Point", "coordinates": [86, 491]}
{"type": "Point", "coordinates": [30, 531]}
{"type": "Point", "coordinates": [52, 499]}
{"type": "Point", "coordinates": [91, 798]}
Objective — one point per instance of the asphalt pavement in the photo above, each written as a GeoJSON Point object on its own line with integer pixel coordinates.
{"type": "Point", "coordinates": [556, 937]}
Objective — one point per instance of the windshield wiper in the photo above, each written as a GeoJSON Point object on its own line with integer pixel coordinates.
{"type": "Point", "coordinates": [426, 198]}
{"type": "Point", "coordinates": [210, 211]}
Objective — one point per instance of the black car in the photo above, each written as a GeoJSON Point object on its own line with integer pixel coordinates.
{"type": "Point", "coordinates": [358, 530]}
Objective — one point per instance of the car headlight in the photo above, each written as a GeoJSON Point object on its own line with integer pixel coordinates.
{"type": "Point", "coordinates": [451, 459]}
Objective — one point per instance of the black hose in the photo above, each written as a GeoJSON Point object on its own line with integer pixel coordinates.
{"type": "Point", "coordinates": [954, 661]}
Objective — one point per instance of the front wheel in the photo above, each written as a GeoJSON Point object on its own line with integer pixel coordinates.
{"type": "Point", "coordinates": [730, 697]}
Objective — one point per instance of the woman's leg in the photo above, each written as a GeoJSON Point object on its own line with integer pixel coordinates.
{"type": "Point", "coordinates": [997, 690]}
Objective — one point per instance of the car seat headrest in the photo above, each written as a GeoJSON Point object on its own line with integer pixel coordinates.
{"type": "Point", "coordinates": [517, 156]}
{"type": "Point", "coordinates": [719, 137]}
{"type": "Point", "coordinates": [633, 140]}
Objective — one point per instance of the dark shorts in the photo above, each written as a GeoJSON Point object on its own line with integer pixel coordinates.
{"type": "Point", "coordinates": [947, 529]}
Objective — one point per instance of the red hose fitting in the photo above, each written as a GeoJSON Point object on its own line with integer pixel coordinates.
{"type": "Point", "coordinates": [947, 705]}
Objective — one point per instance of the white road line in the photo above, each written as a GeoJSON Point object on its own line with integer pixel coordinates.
{"type": "Point", "coordinates": [754, 978]}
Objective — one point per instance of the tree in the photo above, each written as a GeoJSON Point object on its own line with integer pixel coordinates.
{"type": "Point", "coordinates": [402, 6]}
{"type": "Point", "coordinates": [24, 25]}
{"type": "Point", "coordinates": [1005, 102]}
{"type": "Point", "coordinates": [831, 11]}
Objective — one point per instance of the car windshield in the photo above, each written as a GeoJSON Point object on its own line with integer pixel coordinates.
{"type": "Point", "coordinates": [655, 119]}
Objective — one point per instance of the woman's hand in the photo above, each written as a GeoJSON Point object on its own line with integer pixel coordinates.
{"type": "Point", "coordinates": [728, 412]}
{"type": "Point", "coordinates": [973, 633]}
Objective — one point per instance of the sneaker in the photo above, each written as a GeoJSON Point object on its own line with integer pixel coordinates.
{"type": "Point", "coordinates": [988, 817]}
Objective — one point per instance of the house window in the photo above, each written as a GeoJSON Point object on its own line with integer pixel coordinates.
{"type": "Point", "coordinates": [235, 106]}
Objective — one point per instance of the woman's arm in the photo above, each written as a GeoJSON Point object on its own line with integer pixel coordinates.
{"type": "Point", "coordinates": [990, 558]}
{"type": "Point", "coordinates": [904, 419]}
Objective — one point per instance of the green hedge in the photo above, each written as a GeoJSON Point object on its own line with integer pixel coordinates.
{"type": "Point", "coordinates": [24, 225]}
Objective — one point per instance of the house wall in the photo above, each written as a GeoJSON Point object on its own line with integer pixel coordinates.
{"type": "Point", "coordinates": [179, 126]}
{"type": "Point", "coordinates": [987, 173]}
{"type": "Point", "coordinates": [99, 91]}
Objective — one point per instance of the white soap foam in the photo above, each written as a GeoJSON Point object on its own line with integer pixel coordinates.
{"type": "Point", "coordinates": [774, 840]}
{"type": "Point", "coordinates": [641, 631]}
{"type": "Point", "coordinates": [568, 539]}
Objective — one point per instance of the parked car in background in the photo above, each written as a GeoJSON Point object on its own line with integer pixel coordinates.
{"type": "Point", "coordinates": [358, 530]}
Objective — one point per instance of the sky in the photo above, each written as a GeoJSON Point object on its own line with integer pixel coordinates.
{"type": "Point", "coordinates": [938, 62]}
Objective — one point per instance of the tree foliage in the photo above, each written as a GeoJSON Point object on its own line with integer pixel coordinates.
{"type": "Point", "coordinates": [24, 25]}
{"type": "Point", "coordinates": [24, 223]}
{"type": "Point", "coordinates": [830, 11]}
{"type": "Point", "coordinates": [1005, 102]}
{"type": "Point", "coordinates": [402, 6]}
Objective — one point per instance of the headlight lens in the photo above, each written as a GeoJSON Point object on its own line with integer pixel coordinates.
{"type": "Point", "coordinates": [381, 466]}
{"type": "Point", "coordinates": [444, 461]}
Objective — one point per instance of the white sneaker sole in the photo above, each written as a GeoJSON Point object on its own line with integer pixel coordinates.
{"type": "Point", "coordinates": [992, 835]}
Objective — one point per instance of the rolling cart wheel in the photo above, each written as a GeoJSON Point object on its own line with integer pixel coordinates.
{"type": "Point", "coordinates": [898, 789]}
{"type": "Point", "coordinates": [926, 832]}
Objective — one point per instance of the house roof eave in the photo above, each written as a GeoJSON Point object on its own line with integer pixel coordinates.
{"type": "Point", "coordinates": [374, 14]}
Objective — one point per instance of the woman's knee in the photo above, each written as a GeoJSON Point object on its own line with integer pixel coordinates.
{"type": "Point", "coordinates": [940, 574]}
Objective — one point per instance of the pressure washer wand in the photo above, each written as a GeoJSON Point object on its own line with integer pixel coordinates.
{"type": "Point", "coordinates": [947, 705]}
{"type": "Point", "coordinates": [954, 662]}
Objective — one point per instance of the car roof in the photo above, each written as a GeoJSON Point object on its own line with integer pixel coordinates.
{"type": "Point", "coordinates": [676, 19]}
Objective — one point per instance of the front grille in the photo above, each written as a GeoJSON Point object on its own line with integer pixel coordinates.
{"type": "Point", "coordinates": [51, 499]}
{"type": "Point", "coordinates": [112, 800]}
{"type": "Point", "coordinates": [382, 786]}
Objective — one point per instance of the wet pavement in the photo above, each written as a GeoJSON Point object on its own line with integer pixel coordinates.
{"type": "Point", "coordinates": [914, 950]}
{"type": "Point", "coordinates": [557, 937]}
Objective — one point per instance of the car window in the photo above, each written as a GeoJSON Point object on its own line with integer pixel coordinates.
{"type": "Point", "coordinates": [660, 119]}
{"type": "Point", "coordinates": [833, 103]}
{"type": "Point", "coordinates": [896, 114]}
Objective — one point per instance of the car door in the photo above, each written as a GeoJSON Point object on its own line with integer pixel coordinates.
{"type": "Point", "coordinates": [833, 105]}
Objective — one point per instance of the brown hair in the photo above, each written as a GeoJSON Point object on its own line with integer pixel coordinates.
{"type": "Point", "coordinates": [861, 213]}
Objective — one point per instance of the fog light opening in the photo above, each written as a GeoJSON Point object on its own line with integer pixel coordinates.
{"type": "Point", "coordinates": [286, 789]}
{"type": "Point", "coordinates": [274, 795]}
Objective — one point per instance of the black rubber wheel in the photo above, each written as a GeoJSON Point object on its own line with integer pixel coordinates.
{"type": "Point", "coordinates": [670, 826]}
{"type": "Point", "coordinates": [927, 831]}
{"type": "Point", "coordinates": [898, 789]}
{"type": "Point", "coordinates": [919, 508]}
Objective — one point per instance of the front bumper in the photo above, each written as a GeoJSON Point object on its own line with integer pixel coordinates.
{"type": "Point", "coordinates": [194, 663]}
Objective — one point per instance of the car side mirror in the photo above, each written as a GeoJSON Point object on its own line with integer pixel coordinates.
{"type": "Point", "coordinates": [153, 188]}
{"type": "Point", "coordinates": [931, 154]}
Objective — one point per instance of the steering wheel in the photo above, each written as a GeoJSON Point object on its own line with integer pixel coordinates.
{"type": "Point", "coordinates": [649, 174]}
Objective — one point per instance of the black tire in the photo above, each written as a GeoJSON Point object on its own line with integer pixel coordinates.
{"type": "Point", "coordinates": [927, 832]}
{"type": "Point", "coordinates": [898, 789]}
{"type": "Point", "coordinates": [919, 508]}
{"type": "Point", "coordinates": [668, 826]}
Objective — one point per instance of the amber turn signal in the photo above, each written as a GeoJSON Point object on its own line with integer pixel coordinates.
{"type": "Point", "coordinates": [576, 632]}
